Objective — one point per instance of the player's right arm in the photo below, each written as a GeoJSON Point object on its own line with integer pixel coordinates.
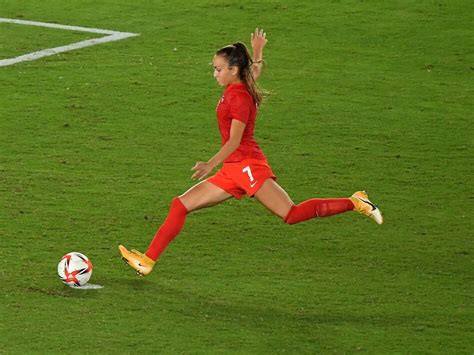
{"type": "Point", "coordinates": [258, 40]}
{"type": "Point", "coordinates": [202, 169]}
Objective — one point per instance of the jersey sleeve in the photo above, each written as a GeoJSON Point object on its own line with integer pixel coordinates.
{"type": "Point", "coordinates": [240, 106]}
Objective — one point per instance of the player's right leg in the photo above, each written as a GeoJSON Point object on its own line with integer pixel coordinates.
{"type": "Point", "coordinates": [199, 196]}
{"type": "Point", "coordinates": [275, 198]}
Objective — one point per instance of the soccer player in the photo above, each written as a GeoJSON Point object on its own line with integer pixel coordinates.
{"type": "Point", "coordinates": [245, 170]}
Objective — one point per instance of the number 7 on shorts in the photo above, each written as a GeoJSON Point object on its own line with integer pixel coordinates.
{"type": "Point", "coordinates": [249, 172]}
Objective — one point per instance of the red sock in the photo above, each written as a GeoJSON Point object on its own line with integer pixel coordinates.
{"type": "Point", "coordinates": [318, 207]}
{"type": "Point", "coordinates": [168, 230]}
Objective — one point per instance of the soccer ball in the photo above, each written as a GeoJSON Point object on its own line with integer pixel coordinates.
{"type": "Point", "coordinates": [74, 269]}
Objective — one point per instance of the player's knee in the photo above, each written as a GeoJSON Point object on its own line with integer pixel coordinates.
{"type": "Point", "coordinates": [178, 203]}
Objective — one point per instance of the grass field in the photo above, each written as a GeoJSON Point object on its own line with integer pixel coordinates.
{"type": "Point", "coordinates": [94, 144]}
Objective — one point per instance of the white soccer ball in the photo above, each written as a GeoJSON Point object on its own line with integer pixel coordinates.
{"type": "Point", "coordinates": [75, 269]}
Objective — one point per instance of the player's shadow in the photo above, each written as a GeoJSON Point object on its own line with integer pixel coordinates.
{"type": "Point", "coordinates": [253, 315]}
{"type": "Point", "coordinates": [60, 291]}
{"type": "Point", "coordinates": [138, 284]}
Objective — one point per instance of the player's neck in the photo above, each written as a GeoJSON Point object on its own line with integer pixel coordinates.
{"type": "Point", "coordinates": [236, 82]}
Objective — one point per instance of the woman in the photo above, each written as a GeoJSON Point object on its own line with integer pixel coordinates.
{"type": "Point", "coordinates": [245, 168]}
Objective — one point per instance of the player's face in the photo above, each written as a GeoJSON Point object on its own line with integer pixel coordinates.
{"type": "Point", "coordinates": [224, 74]}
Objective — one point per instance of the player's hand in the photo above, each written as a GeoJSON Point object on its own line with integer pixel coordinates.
{"type": "Point", "coordinates": [258, 40]}
{"type": "Point", "coordinates": [201, 170]}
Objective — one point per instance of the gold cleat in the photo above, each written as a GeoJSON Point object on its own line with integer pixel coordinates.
{"type": "Point", "coordinates": [141, 263]}
{"type": "Point", "coordinates": [363, 205]}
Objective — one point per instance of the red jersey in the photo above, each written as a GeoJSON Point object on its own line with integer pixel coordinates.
{"type": "Point", "coordinates": [237, 104]}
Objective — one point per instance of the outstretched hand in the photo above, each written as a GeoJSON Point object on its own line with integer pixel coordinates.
{"type": "Point", "coordinates": [258, 40]}
{"type": "Point", "coordinates": [201, 170]}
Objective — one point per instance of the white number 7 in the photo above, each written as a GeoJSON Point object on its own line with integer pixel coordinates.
{"type": "Point", "coordinates": [248, 171]}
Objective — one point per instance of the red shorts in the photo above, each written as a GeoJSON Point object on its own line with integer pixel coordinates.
{"type": "Point", "coordinates": [244, 177]}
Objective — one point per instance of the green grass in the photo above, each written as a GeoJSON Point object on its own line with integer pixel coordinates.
{"type": "Point", "coordinates": [96, 142]}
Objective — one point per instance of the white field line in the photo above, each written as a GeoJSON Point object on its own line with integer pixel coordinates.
{"type": "Point", "coordinates": [111, 36]}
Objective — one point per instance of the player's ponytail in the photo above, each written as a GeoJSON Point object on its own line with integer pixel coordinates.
{"type": "Point", "coordinates": [238, 55]}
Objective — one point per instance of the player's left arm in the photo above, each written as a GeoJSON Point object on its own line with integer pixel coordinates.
{"type": "Point", "coordinates": [202, 169]}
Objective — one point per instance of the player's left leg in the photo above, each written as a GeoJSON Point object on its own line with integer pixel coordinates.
{"type": "Point", "coordinates": [201, 195]}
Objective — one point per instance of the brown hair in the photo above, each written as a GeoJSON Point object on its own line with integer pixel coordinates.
{"type": "Point", "coordinates": [237, 55]}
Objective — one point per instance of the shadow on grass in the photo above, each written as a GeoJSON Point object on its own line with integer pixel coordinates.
{"type": "Point", "coordinates": [258, 311]}
{"type": "Point", "coordinates": [207, 305]}
{"type": "Point", "coordinates": [65, 291]}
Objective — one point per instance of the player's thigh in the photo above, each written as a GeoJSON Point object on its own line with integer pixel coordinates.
{"type": "Point", "coordinates": [275, 198]}
{"type": "Point", "coordinates": [203, 194]}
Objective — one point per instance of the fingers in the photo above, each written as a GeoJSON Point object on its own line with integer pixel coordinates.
{"type": "Point", "coordinates": [198, 166]}
{"type": "Point", "coordinates": [200, 171]}
{"type": "Point", "coordinates": [199, 175]}
{"type": "Point", "coordinates": [196, 170]}
{"type": "Point", "coordinates": [258, 34]}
